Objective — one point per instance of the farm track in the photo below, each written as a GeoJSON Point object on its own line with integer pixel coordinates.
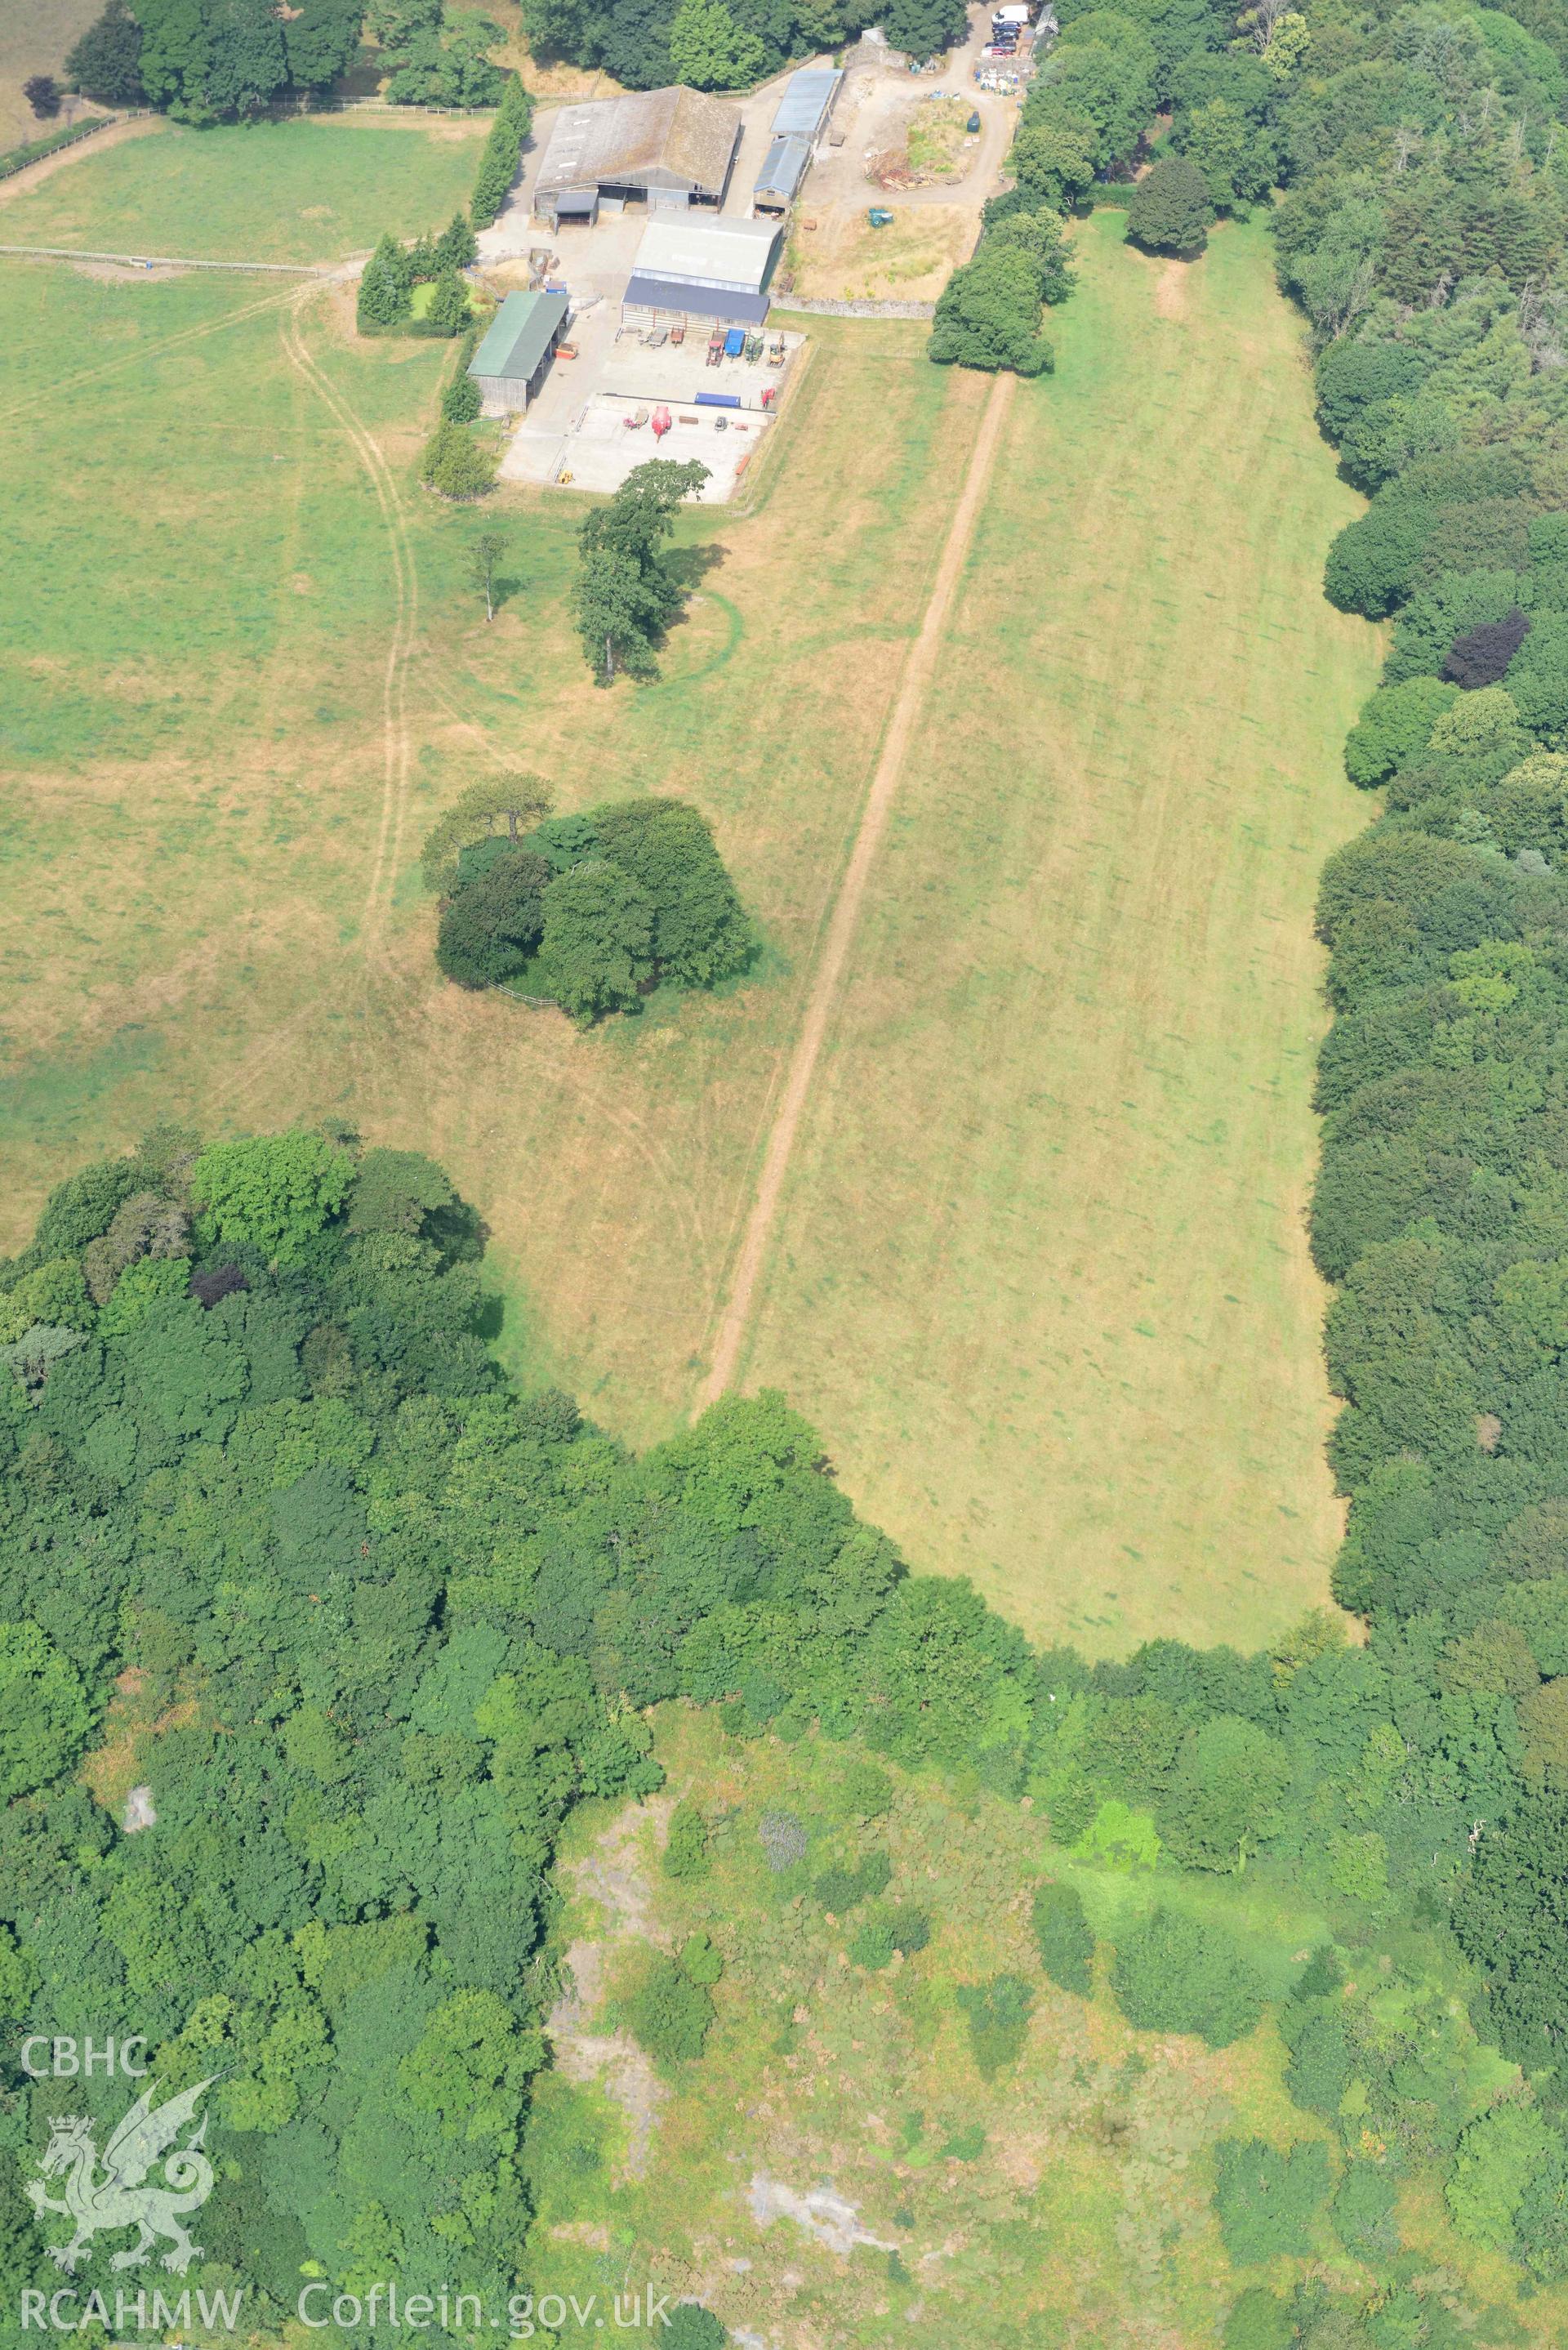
{"type": "Point", "coordinates": [844, 916]}
{"type": "Point", "coordinates": [62, 385]}
{"type": "Point", "coordinates": [397, 745]}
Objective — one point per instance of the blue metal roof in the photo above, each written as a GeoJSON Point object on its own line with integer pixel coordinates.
{"type": "Point", "coordinates": [721, 302]}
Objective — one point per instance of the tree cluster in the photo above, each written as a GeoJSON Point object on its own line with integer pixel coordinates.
{"type": "Point", "coordinates": [501, 153]}
{"type": "Point", "coordinates": [387, 283]}
{"type": "Point", "coordinates": [989, 313]}
{"type": "Point", "coordinates": [1084, 121]}
{"type": "Point", "coordinates": [207, 61]}
{"type": "Point", "coordinates": [725, 43]}
{"type": "Point", "coordinates": [434, 59]}
{"type": "Point", "coordinates": [590, 911]}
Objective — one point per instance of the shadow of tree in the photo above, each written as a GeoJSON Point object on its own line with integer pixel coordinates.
{"type": "Point", "coordinates": [689, 566]}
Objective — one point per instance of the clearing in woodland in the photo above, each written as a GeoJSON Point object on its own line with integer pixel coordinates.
{"type": "Point", "coordinates": [836, 2166]}
{"type": "Point", "coordinates": [243, 671]}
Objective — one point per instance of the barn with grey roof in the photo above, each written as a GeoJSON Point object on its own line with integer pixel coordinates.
{"type": "Point", "coordinates": [666, 147]}
{"type": "Point", "coordinates": [799, 121]}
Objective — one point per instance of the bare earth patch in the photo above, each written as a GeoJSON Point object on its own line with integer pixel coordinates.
{"type": "Point", "coordinates": [833, 2221]}
{"type": "Point", "coordinates": [612, 1876]}
{"type": "Point", "coordinates": [1170, 290]}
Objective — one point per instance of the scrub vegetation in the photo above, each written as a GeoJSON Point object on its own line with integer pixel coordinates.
{"type": "Point", "coordinates": [1178, 1943]}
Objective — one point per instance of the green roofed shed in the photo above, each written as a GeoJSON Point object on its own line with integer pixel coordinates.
{"type": "Point", "coordinates": [509, 363]}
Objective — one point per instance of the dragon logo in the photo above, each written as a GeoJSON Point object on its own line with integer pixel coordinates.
{"type": "Point", "coordinates": [102, 2198]}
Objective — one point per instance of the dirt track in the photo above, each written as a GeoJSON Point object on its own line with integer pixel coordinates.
{"type": "Point", "coordinates": [396, 739]}
{"type": "Point", "coordinates": [847, 906]}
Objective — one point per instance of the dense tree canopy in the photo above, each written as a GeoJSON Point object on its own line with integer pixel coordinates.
{"type": "Point", "coordinates": [106, 62]}
{"type": "Point", "coordinates": [727, 42]}
{"type": "Point", "coordinates": [596, 909]}
{"type": "Point", "coordinates": [213, 60]}
{"type": "Point", "coordinates": [388, 1618]}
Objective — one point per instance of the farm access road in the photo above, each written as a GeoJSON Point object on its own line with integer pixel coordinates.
{"type": "Point", "coordinates": [845, 914]}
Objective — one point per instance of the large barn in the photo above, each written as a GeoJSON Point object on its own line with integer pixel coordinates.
{"type": "Point", "coordinates": [665, 147]}
{"type": "Point", "coordinates": [710, 269]}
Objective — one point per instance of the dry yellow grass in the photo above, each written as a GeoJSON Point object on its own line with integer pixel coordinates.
{"type": "Point", "coordinates": [845, 259]}
{"type": "Point", "coordinates": [35, 35]}
{"type": "Point", "coordinates": [1043, 1276]}
{"type": "Point", "coordinates": [206, 770]}
{"type": "Point", "coordinates": [1064, 1343]}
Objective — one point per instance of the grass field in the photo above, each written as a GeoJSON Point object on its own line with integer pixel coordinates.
{"type": "Point", "coordinates": [219, 784]}
{"type": "Point", "coordinates": [1043, 1278]}
{"type": "Point", "coordinates": [261, 192]}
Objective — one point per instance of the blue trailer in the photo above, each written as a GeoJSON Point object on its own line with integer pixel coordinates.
{"type": "Point", "coordinates": [717, 399]}
{"type": "Point", "coordinates": [734, 342]}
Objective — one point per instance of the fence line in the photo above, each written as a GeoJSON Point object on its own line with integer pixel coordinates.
{"type": "Point", "coordinates": [385, 106]}
{"type": "Point", "coordinates": [17, 162]}
{"type": "Point", "coordinates": [165, 261]}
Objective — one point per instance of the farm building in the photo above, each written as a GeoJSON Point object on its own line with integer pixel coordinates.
{"type": "Point", "coordinates": [664, 148]}
{"type": "Point", "coordinates": [509, 363]}
{"type": "Point", "coordinates": [785, 166]}
{"type": "Point", "coordinates": [701, 270]}
{"type": "Point", "coordinates": [799, 121]}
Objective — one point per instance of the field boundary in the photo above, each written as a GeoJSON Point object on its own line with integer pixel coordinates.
{"type": "Point", "coordinates": [826, 309]}
{"type": "Point", "coordinates": [40, 150]}
{"type": "Point", "coordinates": [845, 911]}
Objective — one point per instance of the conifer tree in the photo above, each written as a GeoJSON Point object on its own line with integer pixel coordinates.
{"type": "Point", "coordinates": [384, 286]}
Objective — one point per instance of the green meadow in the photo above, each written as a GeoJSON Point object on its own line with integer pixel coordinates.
{"type": "Point", "coordinates": [309, 190]}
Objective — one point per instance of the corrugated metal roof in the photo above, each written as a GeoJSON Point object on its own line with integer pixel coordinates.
{"type": "Point", "coordinates": [709, 252]}
{"type": "Point", "coordinates": [519, 336]}
{"type": "Point", "coordinates": [668, 137]}
{"type": "Point", "coordinates": [783, 168]}
{"type": "Point", "coordinates": [728, 303]}
{"type": "Point", "coordinates": [806, 102]}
